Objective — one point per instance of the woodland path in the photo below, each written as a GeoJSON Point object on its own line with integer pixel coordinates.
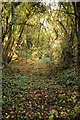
{"type": "Point", "coordinates": [30, 93]}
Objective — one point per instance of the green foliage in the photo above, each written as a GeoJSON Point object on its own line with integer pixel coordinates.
{"type": "Point", "coordinates": [52, 112]}
{"type": "Point", "coordinates": [21, 90]}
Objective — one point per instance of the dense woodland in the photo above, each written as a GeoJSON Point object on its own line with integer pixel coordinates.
{"type": "Point", "coordinates": [41, 61]}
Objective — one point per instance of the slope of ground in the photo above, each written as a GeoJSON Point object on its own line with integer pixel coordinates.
{"type": "Point", "coordinates": [28, 92]}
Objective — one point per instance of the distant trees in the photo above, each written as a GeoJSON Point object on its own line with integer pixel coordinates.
{"type": "Point", "coordinates": [45, 30]}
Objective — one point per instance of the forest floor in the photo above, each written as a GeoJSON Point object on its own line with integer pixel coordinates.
{"type": "Point", "coordinates": [29, 92]}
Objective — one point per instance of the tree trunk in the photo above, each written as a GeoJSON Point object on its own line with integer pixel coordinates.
{"type": "Point", "coordinates": [77, 28]}
{"type": "Point", "coordinates": [78, 8]}
{"type": "Point", "coordinates": [8, 48]}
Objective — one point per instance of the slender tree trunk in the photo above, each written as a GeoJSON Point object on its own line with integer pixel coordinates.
{"type": "Point", "coordinates": [79, 42]}
{"type": "Point", "coordinates": [8, 48]}
{"type": "Point", "coordinates": [77, 28]}
{"type": "Point", "coordinates": [78, 31]}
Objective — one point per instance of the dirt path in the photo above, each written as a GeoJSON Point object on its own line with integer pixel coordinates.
{"type": "Point", "coordinates": [28, 66]}
{"type": "Point", "coordinates": [28, 92]}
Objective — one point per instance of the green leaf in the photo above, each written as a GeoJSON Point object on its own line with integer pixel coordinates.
{"type": "Point", "coordinates": [50, 117]}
